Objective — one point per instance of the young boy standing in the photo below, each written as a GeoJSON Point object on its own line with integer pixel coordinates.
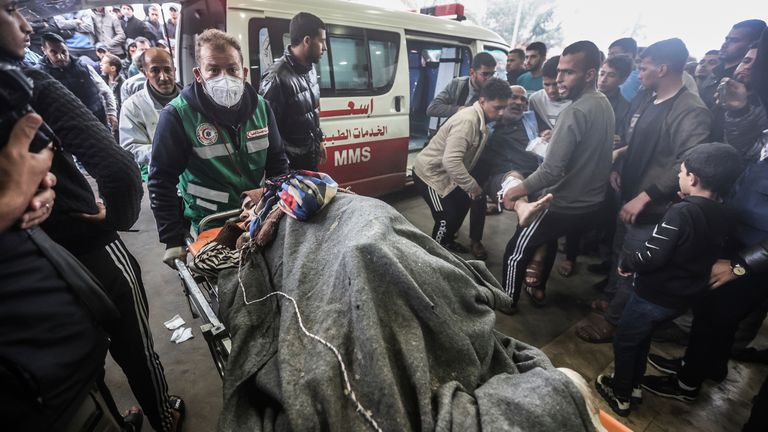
{"type": "Point", "coordinates": [672, 268]}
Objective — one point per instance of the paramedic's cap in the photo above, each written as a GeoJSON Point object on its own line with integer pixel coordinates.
{"type": "Point", "coordinates": [52, 37]}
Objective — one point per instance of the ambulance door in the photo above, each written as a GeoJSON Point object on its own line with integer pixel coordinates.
{"type": "Point", "coordinates": [364, 109]}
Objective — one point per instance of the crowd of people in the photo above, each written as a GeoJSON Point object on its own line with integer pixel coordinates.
{"type": "Point", "coordinates": [644, 156]}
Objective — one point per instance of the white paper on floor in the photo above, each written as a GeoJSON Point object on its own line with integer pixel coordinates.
{"type": "Point", "coordinates": [181, 334]}
{"type": "Point", "coordinates": [174, 323]}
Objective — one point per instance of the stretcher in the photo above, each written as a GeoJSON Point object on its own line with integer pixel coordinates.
{"type": "Point", "coordinates": [202, 295]}
{"type": "Point", "coordinates": [202, 292]}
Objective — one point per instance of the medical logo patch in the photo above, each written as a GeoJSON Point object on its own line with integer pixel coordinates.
{"type": "Point", "coordinates": [257, 133]}
{"type": "Point", "coordinates": [207, 134]}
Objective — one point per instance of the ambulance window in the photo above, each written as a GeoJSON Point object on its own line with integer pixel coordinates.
{"type": "Point", "coordinates": [350, 64]}
{"type": "Point", "coordinates": [501, 60]}
{"type": "Point", "coordinates": [383, 62]}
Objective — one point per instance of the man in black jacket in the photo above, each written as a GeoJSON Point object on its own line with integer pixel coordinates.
{"type": "Point", "coordinates": [88, 230]}
{"type": "Point", "coordinates": [132, 26]}
{"type": "Point", "coordinates": [290, 85]}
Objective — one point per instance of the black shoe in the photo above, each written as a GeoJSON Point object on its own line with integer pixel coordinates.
{"type": "Point", "coordinates": [604, 386]}
{"type": "Point", "coordinates": [602, 268]}
{"type": "Point", "coordinates": [669, 387]}
{"type": "Point", "coordinates": [456, 247]}
{"type": "Point", "coordinates": [637, 392]}
{"type": "Point", "coordinates": [668, 366]}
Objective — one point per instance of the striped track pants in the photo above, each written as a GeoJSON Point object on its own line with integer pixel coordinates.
{"type": "Point", "coordinates": [131, 338]}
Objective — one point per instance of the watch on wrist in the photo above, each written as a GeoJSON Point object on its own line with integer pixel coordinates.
{"type": "Point", "coordinates": [738, 269]}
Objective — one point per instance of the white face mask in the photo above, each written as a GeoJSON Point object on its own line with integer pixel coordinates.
{"type": "Point", "coordinates": [224, 89]}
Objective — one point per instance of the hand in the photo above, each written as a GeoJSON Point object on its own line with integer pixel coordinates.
{"type": "Point", "coordinates": [735, 97]}
{"type": "Point", "coordinates": [721, 274]}
{"type": "Point", "coordinates": [323, 154]}
{"type": "Point", "coordinates": [171, 254]}
{"type": "Point", "coordinates": [99, 217]}
{"type": "Point", "coordinates": [40, 207]}
{"type": "Point", "coordinates": [112, 120]}
{"type": "Point", "coordinates": [623, 273]}
{"type": "Point", "coordinates": [615, 180]}
{"type": "Point", "coordinates": [546, 135]}
{"type": "Point", "coordinates": [21, 172]}
{"type": "Point", "coordinates": [618, 153]}
{"type": "Point", "coordinates": [633, 208]}
{"type": "Point", "coordinates": [476, 192]}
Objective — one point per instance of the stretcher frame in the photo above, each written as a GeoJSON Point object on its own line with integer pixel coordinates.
{"type": "Point", "coordinates": [203, 297]}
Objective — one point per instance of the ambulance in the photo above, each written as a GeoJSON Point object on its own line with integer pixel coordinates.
{"type": "Point", "coordinates": [381, 71]}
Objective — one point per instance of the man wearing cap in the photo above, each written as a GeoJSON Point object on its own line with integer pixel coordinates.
{"type": "Point", "coordinates": [83, 81]}
{"type": "Point", "coordinates": [108, 30]}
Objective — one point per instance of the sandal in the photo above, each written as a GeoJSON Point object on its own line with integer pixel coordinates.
{"type": "Point", "coordinates": [177, 405]}
{"type": "Point", "coordinates": [566, 268]}
{"type": "Point", "coordinates": [598, 331]}
{"type": "Point", "coordinates": [538, 298]}
{"type": "Point", "coordinates": [133, 420]}
{"type": "Point", "coordinates": [533, 273]}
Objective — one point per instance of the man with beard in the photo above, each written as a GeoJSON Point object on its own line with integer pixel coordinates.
{"type": "Point", "coordinates": [745, 117]}
{"type": "Point", "coordinates": [575, 170]}
{"type": "Point", "coordinates": [705, 69]}
{"type": "Point", "coordinates": [290, 85]}
{"type": "Point", "coordinates": [138, 117]}
{"type": "Point", "coordinates": [515, 60]}
{"type": "Point", "coordinates": [535, 56]}
{"type": "Point", "coordinates": [215, 140]}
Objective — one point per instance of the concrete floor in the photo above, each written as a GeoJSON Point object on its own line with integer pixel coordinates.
{"type": "Point", "coordinates": [191, 374]}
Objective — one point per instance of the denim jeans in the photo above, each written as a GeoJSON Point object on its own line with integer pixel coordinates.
{"type": "Point", "coordinates": [628, 238]}
{"type": "Point", "coordinates": [632, 341]}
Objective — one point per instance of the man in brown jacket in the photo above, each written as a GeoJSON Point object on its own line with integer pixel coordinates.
{"type": "Point", "coordinates": [441, 170]}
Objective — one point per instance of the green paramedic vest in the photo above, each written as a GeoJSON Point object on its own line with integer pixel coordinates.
{"type": "Point", "coordinates": [219, 171]}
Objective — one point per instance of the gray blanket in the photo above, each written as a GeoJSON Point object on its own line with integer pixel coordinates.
{"type": "Point", "coordinates": [413, 323]}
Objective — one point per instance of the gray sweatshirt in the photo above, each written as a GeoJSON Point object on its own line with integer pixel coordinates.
{"type": "Point", "coordinates": [578, 160]}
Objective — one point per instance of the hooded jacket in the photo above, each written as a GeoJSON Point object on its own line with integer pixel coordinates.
{"type": "Point", "coordinates": [172, 149]}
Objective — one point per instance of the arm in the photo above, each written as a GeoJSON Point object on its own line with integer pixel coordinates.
{"type": "Point", "coordinates": [134, 136]}
{"type": "Point", "coordinates": [277, 162]}
{"type": "Point", "coordinates": [566, 136]}
{"type": "Point", "coordinates": [659, 248]}
{"type": "Point", "coordinates": [105, 92]}
{"type": "Point", "coordinates": [444, 105]}
{"type": "Point", "coordinates": [271, 90]}
{"type": "Point", "coordinates": [686, 131]}
{"type": "Point", "coordinates": [755, 257]}
{"type": "Point", "coordinates": [170, 155]}
{"type": "Point", "coordinates": [453, 158]}
{"type": "Point", "coordinates": [744, 127]}
{"type": "Point", "coordinates": [82, 135]}
{"type": "Point", "coordinates": [119, 39]}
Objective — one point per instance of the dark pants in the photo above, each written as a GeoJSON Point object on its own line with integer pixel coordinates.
{"type": "Point", "coordinates": [448, 212]}
{"type": "Point", "coordinates": [716, 317]}
{"type": "Point", "coordinates": [132, 346]}
{"type": "Point", "coordinates": [632, 341]}
{"type": "Point", "coordinates": [491, 187]}
{"type": "Point", "coordinates": [758, 418]}
{"type": "Point", "coordinates": [628, 238]}
{"type": "Point", "coordinates": [305, 161]}
{"type": "Point", "coordinates": [545, 229]}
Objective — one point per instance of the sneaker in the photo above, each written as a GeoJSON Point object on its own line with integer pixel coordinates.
{"type": "Point", "coordinates": [637, 392]}
{"type": "Point", "coordinates": [668, 366]}
{"type": "Point", "coordinates": [669, 387]}
{"type": "Point", "coordinates": [456, 247]}
{"type": "Point", "coordinates": [619, 406]}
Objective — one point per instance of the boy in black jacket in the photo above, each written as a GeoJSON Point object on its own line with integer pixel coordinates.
{"type": "Point", "coordinates": [672, 268]}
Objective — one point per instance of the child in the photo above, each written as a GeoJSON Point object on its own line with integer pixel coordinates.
{"type": "Point", "coordinates": [672, 268]}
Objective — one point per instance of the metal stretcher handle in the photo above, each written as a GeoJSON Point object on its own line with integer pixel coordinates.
{"type": "Point", "coordinates": [201, 303]}
{"type": "Point", "coordinates": [226, 215]}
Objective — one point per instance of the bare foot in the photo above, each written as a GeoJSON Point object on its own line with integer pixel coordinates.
{"type": "Point", "coordinates": [527, 211]}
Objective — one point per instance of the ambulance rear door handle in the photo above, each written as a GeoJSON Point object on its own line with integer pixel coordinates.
{"type": "Point", "coordinates": [399, 103]}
